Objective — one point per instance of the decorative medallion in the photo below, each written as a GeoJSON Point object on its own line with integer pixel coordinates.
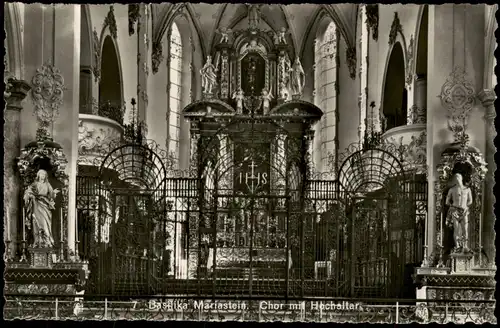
{"type": "Point", "coordinates": [409, 62]}
{"type": "Point", "coordinates": [395, 28]}
{"type": "Point", "coordinates": [133, 17]}
{"type": "Point", "coordinates": [47, 93]}
{"type": "Point", "coordinates": [351, 61]}
{"type": "Point", "coordinates": [96, 67]}
{"type": "Point", "coordinates": [110, 21]}
{"type": "Point", "coordinates": [457, 96]}
{"type": "Point", "coordinates": [372, 20]}
{"type": "Point", "coordinates": [156, 56]}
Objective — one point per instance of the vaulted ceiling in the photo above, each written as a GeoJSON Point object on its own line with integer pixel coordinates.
{"type": "Point", "coordinates": [207, 18]}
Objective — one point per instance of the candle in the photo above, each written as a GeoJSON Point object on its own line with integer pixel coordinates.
{"type": "Point", "coordinates": [24, 224]}
{"type": "Point", "coordinates": [61, 216]}
{"type": "Point", "coordinates": [7, 229]}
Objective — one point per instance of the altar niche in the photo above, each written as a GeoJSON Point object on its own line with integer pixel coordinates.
{"type": "Point", "coordinates": [253, 67]}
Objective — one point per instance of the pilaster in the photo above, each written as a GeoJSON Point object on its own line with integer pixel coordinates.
{"type": "Point", "coordinates": [16, 91]}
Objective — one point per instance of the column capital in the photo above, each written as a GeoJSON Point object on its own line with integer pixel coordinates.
{"type": "Point", "coordinates": [487, 97]}
{"type": "Point", "coordinates": [15, 92]}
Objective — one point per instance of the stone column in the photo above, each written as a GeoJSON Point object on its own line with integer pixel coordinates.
{"type": "Point", "coordinates": [14, 94]}
{"type": "Point", "coordinates": [142, 64]}
{"type": "Point", "coordinates": [487, 98]}
{"type": "Point", "coordinates": [419, 110]}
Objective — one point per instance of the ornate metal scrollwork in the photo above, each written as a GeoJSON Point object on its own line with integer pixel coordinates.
{"type": "Point", "coordinates": [395, 28]}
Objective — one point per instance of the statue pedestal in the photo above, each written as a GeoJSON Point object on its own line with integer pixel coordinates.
{"type": "Point", "coordinates": [461, 263]}
{"type": "Point", "coordinates": [42, 257]}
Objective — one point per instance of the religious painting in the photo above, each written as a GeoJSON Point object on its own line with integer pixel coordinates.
{"type": "Point", "coordinates": [253, 74]}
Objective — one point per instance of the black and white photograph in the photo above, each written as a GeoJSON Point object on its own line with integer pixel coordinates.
{"type": "Point", "coordinates": [256, 162]}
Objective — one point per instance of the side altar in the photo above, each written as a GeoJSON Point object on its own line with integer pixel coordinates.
{"type": "Point", "coordinates": [458, 267]}
{"type": "Point", "coordinates": [41, 263]}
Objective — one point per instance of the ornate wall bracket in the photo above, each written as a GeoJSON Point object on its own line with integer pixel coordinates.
{"type": "Point", "coordinates": [395, 28]}
{"type": "Point", "coordinates": [47, 94]}
{"type": "Point", "coordinates": [351, 61]}
{"type": "Point", "coordinates": [457, 96]}
{"type": "Point", "coordinates": [15, 92]}
{"type": "Point", "coordinates": [372, 20]}
{"type": "Point", "coordinates": [110, 21]}
{"type": "Point", "coordinates": [156, 56]}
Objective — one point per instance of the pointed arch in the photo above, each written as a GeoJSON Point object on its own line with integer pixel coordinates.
{"type": "Point", "coordinates": [87, 61]}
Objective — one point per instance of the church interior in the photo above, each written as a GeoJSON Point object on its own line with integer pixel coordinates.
{"type": "Point", "coordinates": [249, 150]}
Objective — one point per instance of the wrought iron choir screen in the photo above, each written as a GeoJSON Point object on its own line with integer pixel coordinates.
{"type": "Point", "coordinates": [249, 219]}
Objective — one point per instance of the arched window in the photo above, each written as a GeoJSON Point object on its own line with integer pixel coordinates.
{"type": "Point", "coordinates": [325, 54]}
{"type": "Point", "coordinates": [175, 92]}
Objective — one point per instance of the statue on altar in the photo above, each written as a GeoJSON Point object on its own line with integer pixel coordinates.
{"type": "Point", "coordinates": [253, 16]}
{"type": "Point", "coordinates": [224, 32]}
{"type": "Point", "coordinates": [283, 92]}
{"type": "Point", "coordinates": [239, 96]}
{"type": "Point", "coordinates": [280, 37]}
{"type": "Point", "coordinates": [266, 100]}
{"type": "Point", "coordinates": [459, 199]}
{"type": "Point", "coordinates": [208, 76]}
{"type": "Point", "coordinates": [39, 200]}
{"type": "Point", "coordinates": [298, 78]}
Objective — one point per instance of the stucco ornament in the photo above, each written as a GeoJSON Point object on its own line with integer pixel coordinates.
{"type": "Point", "coordinates": [396, 28]}
{"type": "Point", "coordinates": [457, 96]}
{"type": "Point", "coordinates": [96, 66]}
{"type": "Point", "coordinates": [95, 140]}
{"type": "Point", "coordinates": [47, 93]}
{"type": "Point", "coordinates": [351, 61]}
{"type": "Point", "coordinates": [410, 62]}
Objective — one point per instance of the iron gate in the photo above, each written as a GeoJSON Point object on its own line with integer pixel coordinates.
{"type": "Point", "coordinates": [250, 223]}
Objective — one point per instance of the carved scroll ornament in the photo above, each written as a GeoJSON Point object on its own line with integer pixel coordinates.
{"type": "Point", "coordinates": [156, 56]}
{"type": "Point", "coordinates": [372, 20]}
{"type": "Point", "coordinates": [410, 62]}
{"type": "Point", "coordinates": [457, 96]}
{"type": "Point", "coordinates": [351, 61]}
{"type": "Point", "coordinates": [96, 67]}
{"type": "Point", "coordinates": [110, 21]}
{"type": "Point", "coordinates": [395, 28]}
{"type": "Point", "coordinates": [47, 93]}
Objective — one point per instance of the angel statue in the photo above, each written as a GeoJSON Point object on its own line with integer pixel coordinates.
{"type": "Point", "coordinates": [208, 76]}
{"type": "Point", "coordinates": [280, 37]}
{"type": "Point", "coordinates": [39, 200]}
{"type": "Point", "coordinates": [239, 97]}
{"type": "Point", "coordinates": [297, 77]}
{"type": "Point", "coordinates": [266, 100]}
{"type": "Point", "coordinates": [283, 91]}
{"type": "Point", "coordinates": [224, 32]}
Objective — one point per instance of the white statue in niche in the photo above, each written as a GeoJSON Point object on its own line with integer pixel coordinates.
{"type": "Point", "coordinates": [239, 96]}
{"type": "Point", "coordinates": [459, 199]}
{"type": "Point", "coordinates": [266, 100]}
{"type": "Point", "coordinates": [39, 198]}
{"type": "Point", "coordinates": [298, 78]}
{"type": "Point", "coordinates": [208, 76]}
